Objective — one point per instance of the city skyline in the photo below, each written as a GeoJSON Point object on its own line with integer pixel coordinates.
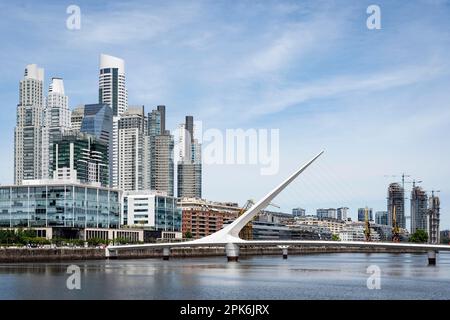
{"type": "Point", "coordinates": [317, 112]}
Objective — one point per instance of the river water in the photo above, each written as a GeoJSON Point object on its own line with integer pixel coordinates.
{"type": "Point", "coordinates": [314, 276]}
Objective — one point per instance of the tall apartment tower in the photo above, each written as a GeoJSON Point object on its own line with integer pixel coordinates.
{"type": "Point", "coordinates": [131, 161]}
{"type": "Point", "coordinates": [160, 147]}
{"type": "Point", "coordinates": [56, 123]}
{"type": "Point", "coordinates": [396, 198]}
{"type": "Point", "coordinates": [28, 130]}
{"type": "Point", "coordinates": [189, 166]}
{"type": "Point", "coordinates": [433, 220]}
{"type": "Point", "coordinates": [419, 207]}
{"type": "Point", "coordinates": [112, 90]}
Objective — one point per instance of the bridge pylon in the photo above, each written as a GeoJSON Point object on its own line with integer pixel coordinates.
{"type": "Point", "coordinates": [232, 251]}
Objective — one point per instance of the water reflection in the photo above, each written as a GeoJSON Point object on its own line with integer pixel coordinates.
{"type": "Point", "coordinates": [313, 276]}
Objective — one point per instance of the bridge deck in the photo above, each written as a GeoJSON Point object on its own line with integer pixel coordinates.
{"type": "Point", "coordinates": [342, 244]}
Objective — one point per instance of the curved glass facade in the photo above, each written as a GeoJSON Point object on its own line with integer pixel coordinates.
{"type": "Point", "coordinates": [65, 205]}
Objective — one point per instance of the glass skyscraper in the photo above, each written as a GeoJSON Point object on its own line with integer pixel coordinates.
{"type": "Point", "coordinates": [98, 122]}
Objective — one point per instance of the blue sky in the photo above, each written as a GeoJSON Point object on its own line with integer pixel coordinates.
{"type": "Point", "coordinates": [376, 100]}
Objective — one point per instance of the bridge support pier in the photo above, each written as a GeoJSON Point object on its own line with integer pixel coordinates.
{"type": "Point", "coordinates": [110, 254]}
{"type": "Point", "coordinates": [166, 253]}
{"type": "Point", "coordinates": [285, 251]}
{"type": "Point", "coordinates": [232, 251]}
{"type": "Point", "coordinates": [431, 258]}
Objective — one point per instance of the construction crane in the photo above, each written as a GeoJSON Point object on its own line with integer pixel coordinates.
{"type": "Point", "coordinates": [395, 228]}
{"type": "Point", "coordinates": [247, 231]}
{"type": "Point", "coordinates": [403, 178]}
{"type": "Point", "coordinates": [367, 225]}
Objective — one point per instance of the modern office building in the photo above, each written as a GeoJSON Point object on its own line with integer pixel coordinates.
{"type": "Point", "coordinates": [151, 209]}
{"type": "Point", "coordinates": [28, 130]}
{"type": "Point", "coordinates": [434, 219]}
{"type": "Point", "coordinates": [381, 218]}
{"type": "Point", "coordinates": [97, 122]}
{"type": "Point", "coordinates": [81, 157]}
{"type": "Point", "coordinates": [362, 214]}
{"type": "Point", "coordinates": [56, 123]}
{"type": "Point", "coordinates": [53, 203]}
{"type": "Point", "coordinates": [342, 213]}
{"type": "Point", "coordinates": [112, 90]}
{"type": "Point", "coordinates": [327, 213]}
{"type": "Point", "coordinates": [419, 207]}
{"type": "Point", "coordinates": [298, 212]}
{"type": "Point", "coordinates": [202, 218]}
{"type": "Point", "coordinates": [131, 147]}
{"type": "Point", "coordinates": [262, 230]}
{"type": "Point", "coordinates": [396, 198]}
{"type": "Point", "coordinates": [161, 147]}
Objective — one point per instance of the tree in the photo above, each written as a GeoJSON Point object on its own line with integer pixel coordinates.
{"type": "Point", "coordinates": [188, 235]}
{"type": "Point", "coordinates": [420, 236]}
{"type": "Point", "coordinates": [335, 237]}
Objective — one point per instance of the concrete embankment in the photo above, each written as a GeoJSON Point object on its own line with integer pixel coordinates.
{"type": "Point", "coordinates": [48, 255]}
{"type": "Point", "coordinates": [67, 254]}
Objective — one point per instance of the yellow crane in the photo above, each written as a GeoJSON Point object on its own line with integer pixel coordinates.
{"type": "Point", "coordinates": [395, 228]}
{"type": "Point", "coordinates": [247, 231]}
{"type": "Point", "coordinates": [367, 225]}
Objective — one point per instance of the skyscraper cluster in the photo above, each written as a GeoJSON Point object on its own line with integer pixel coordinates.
{"type": "Point", "coordinates": [108, 143]}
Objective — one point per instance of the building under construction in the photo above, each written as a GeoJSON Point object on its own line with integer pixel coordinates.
{"type": "Point", "coordinates": [396, 198]}
{"type": "Point", "coordinates": [433, 220]}
{"type": "Point", "coordinates": [419, 207]}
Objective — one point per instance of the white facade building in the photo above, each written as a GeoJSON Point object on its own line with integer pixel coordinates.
{"type": "Point", "coordinates": [131, 147]}
{"type": "Point", "coordinates": [56, 122]}
{"type": "Point", "coordinates": [28, 130]}
{"type": "Point", "coordinates": [112, 90]}
{"type": "Point", "coordinates": [151, 209]}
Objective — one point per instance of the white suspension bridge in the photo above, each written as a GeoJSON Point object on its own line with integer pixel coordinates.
{"type": "Point", "coordinates": [228, 237]}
